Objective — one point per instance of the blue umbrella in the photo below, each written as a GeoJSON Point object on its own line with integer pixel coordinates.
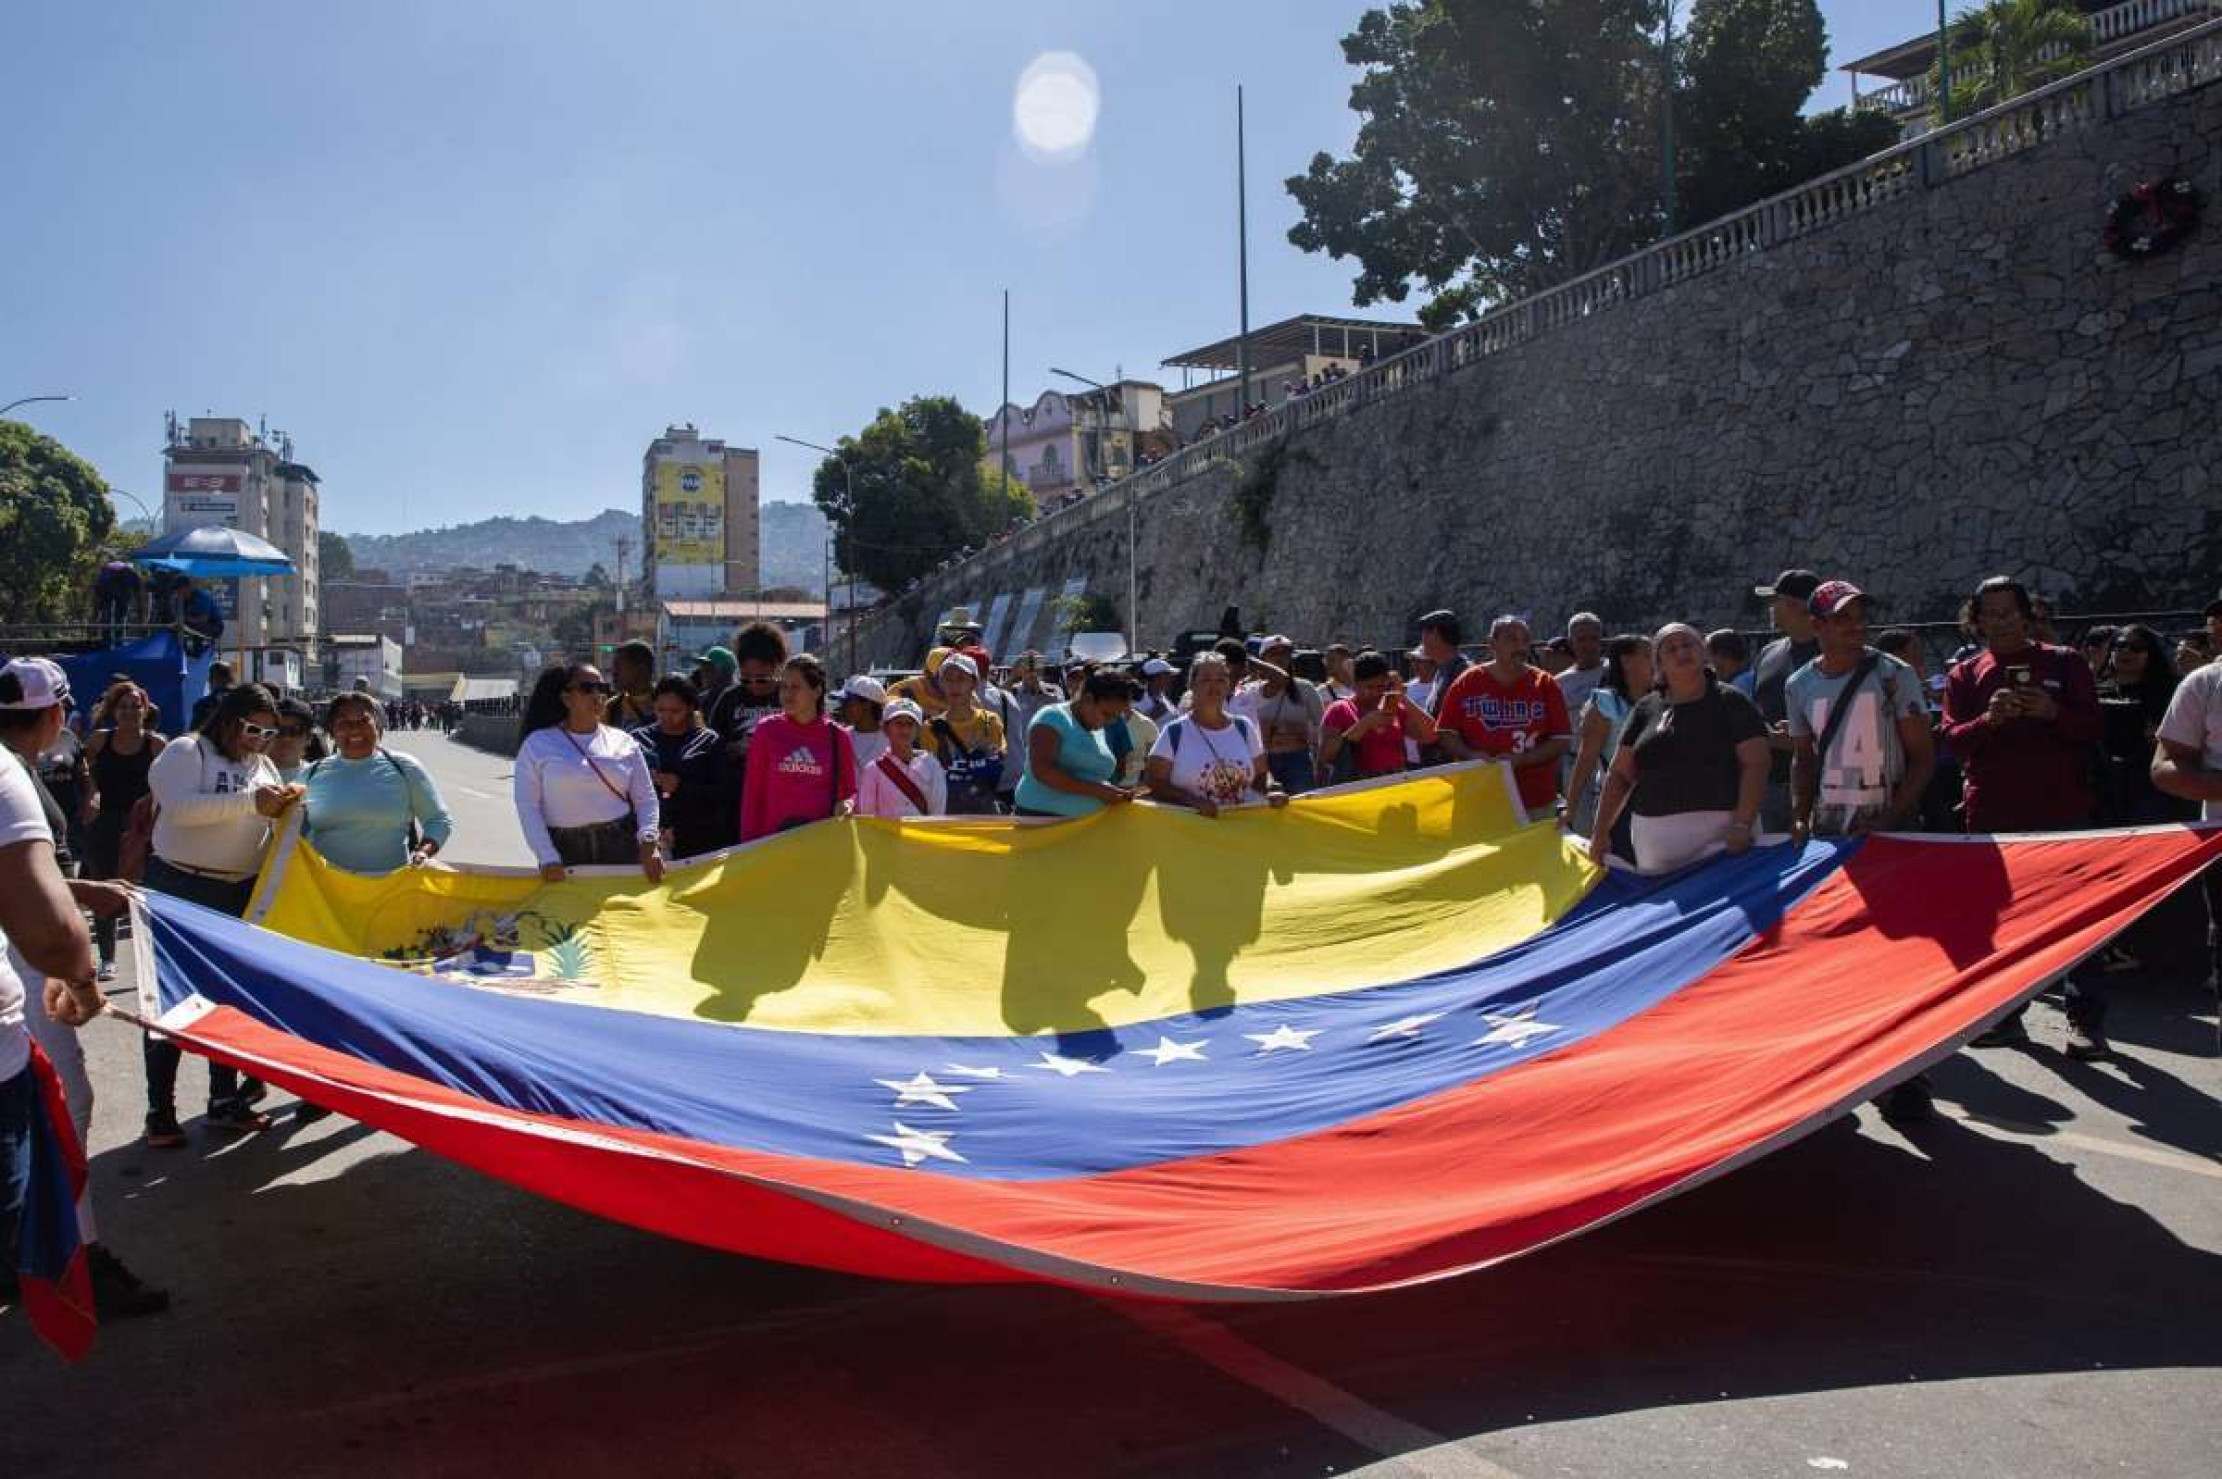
{"type": "Point", "coordinates": [214, 551]}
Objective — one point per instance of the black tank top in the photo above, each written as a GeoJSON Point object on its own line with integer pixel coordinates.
{"type": "Point", "coordinates": [122, 779]}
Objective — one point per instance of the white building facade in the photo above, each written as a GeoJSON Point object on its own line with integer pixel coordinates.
{"type": "Point", "coordinates": [216, 470]}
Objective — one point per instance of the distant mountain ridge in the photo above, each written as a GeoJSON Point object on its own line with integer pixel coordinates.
{"type": "Point", "coordinates": [793, 545]}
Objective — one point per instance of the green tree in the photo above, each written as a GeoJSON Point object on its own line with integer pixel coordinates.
{"type": "Point", "coordinates": [597, 576]}
{"type": "Point", "coordinates": [1507, 145]}
{"type": "Point", "coordinates": [2009, 47]}
{"type": "Point", "coordinates": [920, 495]}
{"type": "Point", "coordinates": [54, 514]}
{"type": "Point", "coordinates": [1746, 68]}
{"type": "Point", "coordinates": [334, 559]}
{"type": "Point", "coordinates": [1503, 144]}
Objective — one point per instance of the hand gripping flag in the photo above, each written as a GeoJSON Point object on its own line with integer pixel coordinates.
{"type": "Point", "coordinates": [1390, 1033]}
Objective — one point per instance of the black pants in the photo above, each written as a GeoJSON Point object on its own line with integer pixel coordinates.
{"type": "Point", "coordinates": [163, 1056]}
{"type": "Point", "coordinates": [614, 842]}
{"type": "Point", "coordinates": [2211, 882]}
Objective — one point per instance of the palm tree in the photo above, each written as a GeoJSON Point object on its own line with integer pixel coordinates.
{"type": "Point", "coordinates": [2008, 47]}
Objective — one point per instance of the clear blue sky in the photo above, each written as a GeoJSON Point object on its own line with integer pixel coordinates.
{"type": "Point", "coordinates": [473, 256]}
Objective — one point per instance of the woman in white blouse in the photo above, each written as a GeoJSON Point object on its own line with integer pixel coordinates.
{"type": "Point", "coordinates": [584, 791]}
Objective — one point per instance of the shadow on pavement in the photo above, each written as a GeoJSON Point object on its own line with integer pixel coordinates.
{"type": "Point", "coordinates": [347, 1305]}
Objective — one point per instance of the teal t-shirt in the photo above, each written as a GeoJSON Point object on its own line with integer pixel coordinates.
{"type": "Point", "coordinates": [1082, 753]}
{"type": "Point", "coordinates": [357, 812]}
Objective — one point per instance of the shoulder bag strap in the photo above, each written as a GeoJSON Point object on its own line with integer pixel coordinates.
{"type": "Point", "coordinates": [587, 754]}
{"type": "Point", "coordinates": [1842, 708]}
{"type": "Point", "coordinates": [901, 780]}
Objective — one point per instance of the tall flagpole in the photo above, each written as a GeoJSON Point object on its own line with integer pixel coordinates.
{"type": "Point", "coordinates": [1666, 124]}
{"type": "Point", "coordinates": [1242, 250]}
{"type": "Point", "coordinates": [1003, 463]}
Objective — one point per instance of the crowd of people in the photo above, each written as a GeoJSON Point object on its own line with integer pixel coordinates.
{"type": "Point", "coordinates": [1655, 750]}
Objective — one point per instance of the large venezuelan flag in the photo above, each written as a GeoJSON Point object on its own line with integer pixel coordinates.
{"type": "Point", "coordinates": [1391, 1033]}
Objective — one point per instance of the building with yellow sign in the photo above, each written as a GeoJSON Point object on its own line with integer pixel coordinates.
{"type": "Point", "coordinates": [700, 535]}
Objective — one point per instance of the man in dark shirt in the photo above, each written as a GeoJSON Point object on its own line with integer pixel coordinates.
{"type": "Point", "coordinates": [2024, 718]}
{"type": "Point", "coordinates": [1439, 638]}
{"type": "Point", "coordinates": [204, 707]}
{"type": "Point", "coordinates": [1797, 646]}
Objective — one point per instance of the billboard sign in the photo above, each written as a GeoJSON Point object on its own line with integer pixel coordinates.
{"type": "Point", "coordinates": [690, 513]}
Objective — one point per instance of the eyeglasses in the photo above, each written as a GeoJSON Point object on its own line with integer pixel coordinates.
{"type": "Point", "coordinates": [258, 731]}
{"type": "Point", "coordinates": [592, 688]}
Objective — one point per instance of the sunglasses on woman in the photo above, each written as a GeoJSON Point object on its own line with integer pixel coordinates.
{"type": "Point", "coordinates": [258, 731]}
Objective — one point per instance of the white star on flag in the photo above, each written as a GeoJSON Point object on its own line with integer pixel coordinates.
{"type": "Point", "coordinates": [921, 1088]}
{"type": "Point", "coordinates": [1168, 1051]}
{"type": "Point", "coordinates": [1285, 1036]}
{"type": "Point", "coordinates": [1403, 1027]}
{"type": "Point", "coordinates": [963, 1072]}
{"type": "Point", "coordinates": [1065, 1067]}
{"type": "Point", "coordinates": [1514, 1030]}
{"type": "Point", "coordinates": [918, 1145]}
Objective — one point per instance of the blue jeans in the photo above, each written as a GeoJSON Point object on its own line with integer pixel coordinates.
{"type": "Point", "coordinates": [1293, 769]}
{"type": "Point", "coordinates": [161, 1055]}
{"type": "Point", "coordinates": [15, 1161]}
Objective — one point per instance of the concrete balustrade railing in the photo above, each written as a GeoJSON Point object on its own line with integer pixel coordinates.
{"type": "Point", "coordinates": [2187, 60]}
{"type": "Point", "coordinates": [2108, 26]}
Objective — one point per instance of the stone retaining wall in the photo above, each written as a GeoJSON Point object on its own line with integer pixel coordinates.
{"type": "Point", "coordinates": [1956, 383]}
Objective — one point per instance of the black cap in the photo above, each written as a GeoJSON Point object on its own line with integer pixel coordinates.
{"type": "Point", "coordinates": [1798, 584]}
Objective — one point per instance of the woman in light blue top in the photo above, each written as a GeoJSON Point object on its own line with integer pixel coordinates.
{"type": "Point", "coordinates": [1069, 764]}
{"type": "Point", "coordinates": [1628, 677]}
{"type": "Point", "coordinates": [364, 802]}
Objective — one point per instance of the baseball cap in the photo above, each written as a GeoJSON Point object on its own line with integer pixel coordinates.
{"type": "Point", "coordinates": [1832, 596]}
{"type": "Point", "coordinates": [720, 658]}
{"type": "Point", "coordinates": [33, 683]}
{"type": "Point", "coordinates": [871, 690]}
{"type": "Point", "coordinates": [1799, 584]}
{"type": "Point", "coordinates": [957, 662]}
{"type": "Point", "coordinates": [981, 661]}
{"type": "Point", "coordinates": [902, 708]}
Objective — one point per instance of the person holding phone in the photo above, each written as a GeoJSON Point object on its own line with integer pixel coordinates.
{"type": "Point", "coordinates": [2024, 718]}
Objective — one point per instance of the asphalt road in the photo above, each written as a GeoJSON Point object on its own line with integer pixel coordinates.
{"type": "Point", "coordinates": [2032, 1287]}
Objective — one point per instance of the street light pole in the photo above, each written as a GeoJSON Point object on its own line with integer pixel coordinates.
{"type": "Point", "coordinates": [33, 400]}
{"type": "Point", "coordinates": [1133, 614]}
{"type": "Point", "coordinates": [1944, 68]}
{"type": "Point", "coordinates": [136, 502]}
{"type": "Point", "coordinates": [848, 512]}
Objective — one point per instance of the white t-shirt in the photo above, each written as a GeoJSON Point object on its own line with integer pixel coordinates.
{"type": "Point", "coordinates": [2194, 718]}
{"type": "Point", "coordinates": [22, 819]}
{"type": "Point", "coordinates": [1218, 763]}
{"type": "Point", "coordinates": [562, 780]}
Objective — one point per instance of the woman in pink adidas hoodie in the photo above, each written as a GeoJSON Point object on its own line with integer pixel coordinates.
{"type": "Point", "coordinates": [801, 766]}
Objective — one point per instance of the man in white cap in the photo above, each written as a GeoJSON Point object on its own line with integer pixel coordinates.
{"type": "Point", "coordinates": [34, 706]}
{"type": "Point", "coordinates": [1156, 702]}
{"type": "Point", "coordinates": [858, 704]}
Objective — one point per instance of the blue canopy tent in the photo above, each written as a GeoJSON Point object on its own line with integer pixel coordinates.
{"type": "Point", "coordinates": [212, 552]}
{"type": "Point", "coordinates": [157, 663]}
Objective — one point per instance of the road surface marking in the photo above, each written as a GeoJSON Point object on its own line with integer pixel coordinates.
{"type": "Point", "coordinates": [1411, 1448]}
{"type": "Point", "coordinates": [2151, 1155]}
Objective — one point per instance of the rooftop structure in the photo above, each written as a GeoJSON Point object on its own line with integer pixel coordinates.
{"type": "Point", "coordinates": [2117, 26]}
